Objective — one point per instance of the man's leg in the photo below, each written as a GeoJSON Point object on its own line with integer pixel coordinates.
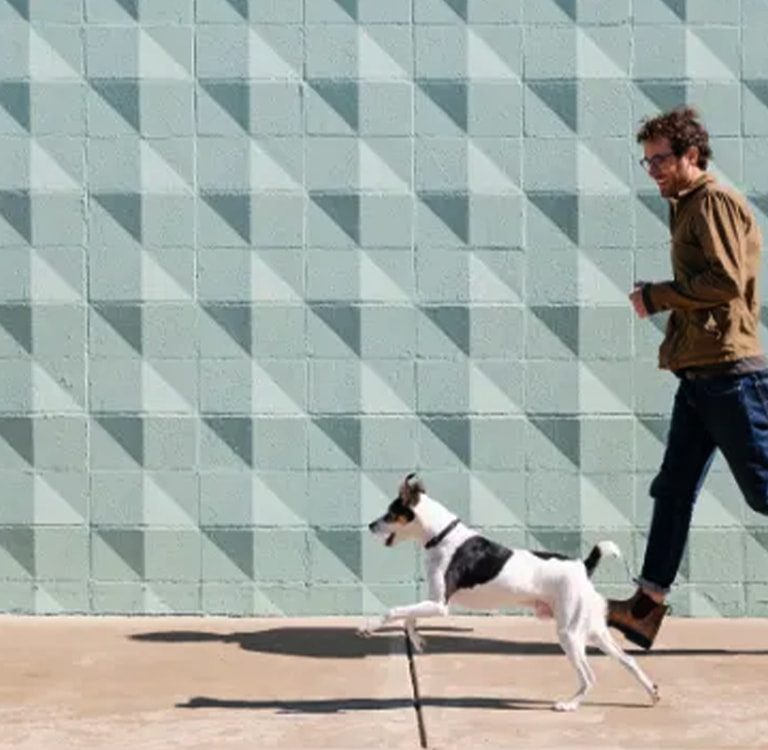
{"type": "Point", "coordinates": [735, 411]}
{"type": "Point", "coordinates": [687, 458]}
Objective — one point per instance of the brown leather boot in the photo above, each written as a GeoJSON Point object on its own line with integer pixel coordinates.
{"type": "Point", "coordinates": [638, 617]}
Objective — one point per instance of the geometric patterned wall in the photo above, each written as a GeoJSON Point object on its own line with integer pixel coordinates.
{"type": "Point", "coordinates": [259, 258]}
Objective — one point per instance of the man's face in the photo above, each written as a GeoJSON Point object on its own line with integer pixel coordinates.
{"type": "Point", "coordinates": [670, 173]}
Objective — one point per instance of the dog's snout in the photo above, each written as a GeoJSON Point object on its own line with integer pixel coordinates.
{"type": "Point", "coordinates": [372, 526]}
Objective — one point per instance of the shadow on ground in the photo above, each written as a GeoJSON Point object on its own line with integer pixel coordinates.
{"type": "Point", "coordinates": [345, 643]}
{"type": "Point", "coordinates": [343, 705]}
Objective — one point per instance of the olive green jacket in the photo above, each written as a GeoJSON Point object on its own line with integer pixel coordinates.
{"type": "Point", "coordinates": [713, 295]}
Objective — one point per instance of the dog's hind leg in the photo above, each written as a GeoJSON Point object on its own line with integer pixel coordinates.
{"type": "Point", "coordinates": [604, 641]}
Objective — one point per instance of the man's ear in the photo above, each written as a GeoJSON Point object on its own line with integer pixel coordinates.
{"type": "Point", "coordinates": [692, 155]}
{"type": "Point", "coordinates": [411, 489]}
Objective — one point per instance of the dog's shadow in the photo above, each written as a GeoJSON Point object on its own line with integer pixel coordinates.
{"type": "Point", "coordinates": [343, 705]}
{"type": "Point", "coordinates": [337, 642]}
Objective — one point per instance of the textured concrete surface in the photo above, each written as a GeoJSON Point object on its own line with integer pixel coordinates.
{"type": "Point", "coordinates": [312, 683]}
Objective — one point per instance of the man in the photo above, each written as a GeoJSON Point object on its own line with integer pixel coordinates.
{"type": "Point", "coordinates": [711, 344]}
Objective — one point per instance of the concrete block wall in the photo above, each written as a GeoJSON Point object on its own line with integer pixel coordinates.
{"type": "Point", "coordinates": [260, 258]}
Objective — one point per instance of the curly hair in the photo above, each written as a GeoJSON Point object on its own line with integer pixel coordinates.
{"type": "Point", "coordinates": [683, 128]}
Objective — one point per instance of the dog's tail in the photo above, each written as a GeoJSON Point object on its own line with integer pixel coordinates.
{"type": "Point", "coordinates": [599, 551]}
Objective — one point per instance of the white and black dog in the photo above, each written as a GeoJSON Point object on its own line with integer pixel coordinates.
{"type": "Point", "coordinates": [467, 569]}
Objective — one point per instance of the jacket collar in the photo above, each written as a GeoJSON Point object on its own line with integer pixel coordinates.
{"type": "Point", "coordinates": [699, 182]}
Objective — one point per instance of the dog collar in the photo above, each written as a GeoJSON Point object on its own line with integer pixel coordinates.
{"type": "Point", "coordinates": [435, 540]}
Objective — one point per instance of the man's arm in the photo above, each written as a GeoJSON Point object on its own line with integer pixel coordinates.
{"type": "Point", "coordinates": [720, 229]}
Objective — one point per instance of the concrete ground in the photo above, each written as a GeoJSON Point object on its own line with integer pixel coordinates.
{"type": "Point", "coordinates": [226, 684]}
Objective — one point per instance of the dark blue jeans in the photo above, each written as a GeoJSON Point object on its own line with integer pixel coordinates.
{"type": "Point", "coordinates": [729, 413]}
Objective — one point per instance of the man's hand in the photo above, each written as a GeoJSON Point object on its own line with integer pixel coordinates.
{"type": "Point", "coordinates": [636, 298]}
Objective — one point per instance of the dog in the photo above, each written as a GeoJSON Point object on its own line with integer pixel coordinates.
{"type": "Point", "coordinates": [470, 570]}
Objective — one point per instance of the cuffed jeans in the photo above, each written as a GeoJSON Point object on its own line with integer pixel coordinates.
{"type": "Point", "coordinates": [727, 412]}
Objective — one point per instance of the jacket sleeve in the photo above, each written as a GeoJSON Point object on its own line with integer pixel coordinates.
{"type": "Point", "coordinates": [719, 226]}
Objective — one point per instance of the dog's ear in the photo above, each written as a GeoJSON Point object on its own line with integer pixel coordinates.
{"type": "Point", "coordinates": [411, 489]}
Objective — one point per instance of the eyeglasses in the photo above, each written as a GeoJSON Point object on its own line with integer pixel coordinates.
{"type": "Point", "coordinates": [655, 161]}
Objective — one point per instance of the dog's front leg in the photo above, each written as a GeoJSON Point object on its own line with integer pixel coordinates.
{"type": "Point", "coordinates": [410, 614]}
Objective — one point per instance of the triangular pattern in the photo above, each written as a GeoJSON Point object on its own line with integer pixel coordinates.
{"type": "Point", "coordinates": [123, 97]}
{"type": "Point", "coordinates": [454, 433]}
{"type": "Point", "coordinates": [344, 321]}
{"type": "Point", "coordinates": [269, 394]}
{"type": "Point", "coordinates": [483, 61]}
{"type": "Point", "coordinates": [234, 210]}
{"type": "Point", "coordinates": [344, 433]}
{"type": "Point", "coordinates": [451, 97]}
{"type": "Point", "coordinates": [17, 433]}
{"type": "Point", "coordinates": [236, 547]}
{"type": "Point", "coordinates": [125, 209]}
{"type": "Point", "coordinates": [158, 279]}
{"type": "Point", "coordinates": [453, 277]}
{"type": "Point", "coordinates": [21, 7]}
{"type": "Point", "coordinates": [14, 99]}
{"type": "Point", "coordinates": [160, 391]}
{"type": "Point", "coordinates": [561, 98]}
{"type": "Point", "coordinates": [233, 97]}
{"type": "Point", "coordinates": [564, 434]}
{"type": "Point", "coordinates": [53, 393]}
{"type": "Point", "coordinates": [374, 62]}
{"type": "Point", "coordinates": [127, 547]}
{"type": "Point", "coordinates": [342, 97]}
{"type": "Point", "coordinates": [158, 175]}
{"type": "Point", "coordinates": [265, 60]}
{"type": "Point", "coordinates": [156, 62]}
{"type": "Point", "coordinates": [16, 320]}
{"type": "Point", "coordinates": [267, 285]}
{"type": "Point", "coordinates": [45, 62]}
{"type": "Point", "coordinates": [484, 175]}
{"type": "Point", "coordinates": [15, 210]}
{"type": "Point", "coordinates": [702, 62]}
{"type": "Point", "coordinates": [453, 322]}
{"type": "Point", "coordinates": [377, 285]}
{"type": "Point", "coordinates": [377, 396]}
{"type": "Point", "coordinates": [594, 176]}
{"type": "Point", "coordinates": [267, 173]}
{"type": "Point", "coordinates": [376, 175]}
{"type": "Point", "coordinates": [128, 433]}
{"type": "Point", "coordinates": [53, 278]}
{"type": "Point", "coordinates": [592, 61]}
{"type": "Point", "coordinates": [46, 174]}
{"type": "Point", "coordinates": [131, 7]}
{"type": "Point", "coordinates": [452, 209]}
{"type": "Point", "coordinates": [51, 504]}
{"type": "Point", "coordinates": [18, 544]}
{"type": "Point", "coordinates": [343, 210]}
{"type": "Point", "coordinates": [236, 433]}
{"type": "Point", "coordinates": [235, 321]}
{"type": "Point", "coordinates": [561, 210]}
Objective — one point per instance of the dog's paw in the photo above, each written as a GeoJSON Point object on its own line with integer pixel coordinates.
{"type": "Point", "coordinates": [655, 695]}
{"type": "Point", "coordinates": [366, 630]}
{"type": "Point", "coordinates": [565, 706]}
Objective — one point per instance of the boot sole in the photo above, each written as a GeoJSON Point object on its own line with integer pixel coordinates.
{"type": "Point", "coordinates": [632, 635]}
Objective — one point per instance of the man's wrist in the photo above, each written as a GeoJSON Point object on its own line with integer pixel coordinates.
{"type": "Point", "coordinates": [645, 291]}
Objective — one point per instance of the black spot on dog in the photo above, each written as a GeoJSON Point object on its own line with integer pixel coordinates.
{"type": "Point", "coordinates": [475, 561]}
{"type": "Point", "coordinates": [550, 556]}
